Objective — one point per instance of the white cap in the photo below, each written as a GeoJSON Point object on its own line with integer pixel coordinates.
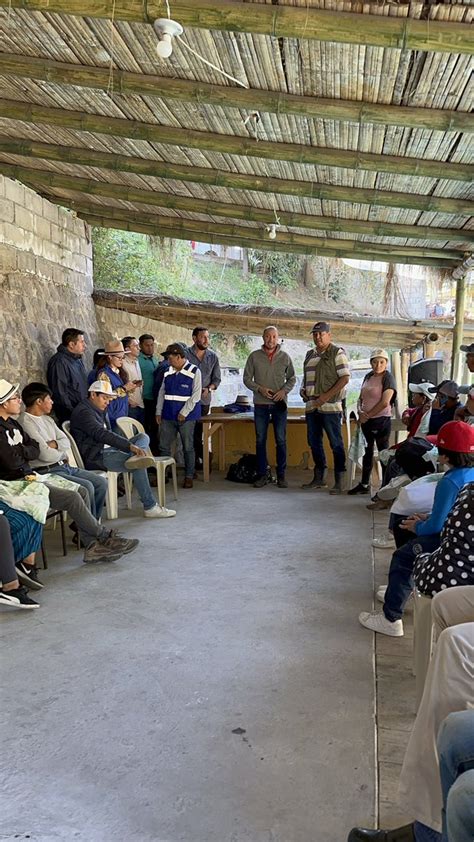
{"type": "Point", "coordinates": [103, 387]}
{"type": "Point", "coordinates": [379, 352]}
{"type": "Point", "coordinates": [422, 389]}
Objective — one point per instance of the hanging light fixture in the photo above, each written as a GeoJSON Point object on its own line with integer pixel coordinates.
{"type": "Point", "coordinates": [166, 29]}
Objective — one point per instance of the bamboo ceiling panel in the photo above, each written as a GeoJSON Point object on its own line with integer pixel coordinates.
{"type": "Point", "coordinates": [298, 66]}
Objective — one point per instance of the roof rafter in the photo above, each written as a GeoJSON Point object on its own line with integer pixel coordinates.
{"type": "Point", "coordinates": [232, 144]}
{"type": "Point", "coordinates": [238, 181]}
{"type": "Point", "coordinates": [276, 102]}
{"type": "Point", "coordinates": [279, 21]}
{"type": "Point", "coordinates": [230, 210]}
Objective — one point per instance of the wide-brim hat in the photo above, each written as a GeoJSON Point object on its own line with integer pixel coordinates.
{"type": "Point", "coordinates": [7, 390]}
{"type": "Point", "coordinates": [456, 436]}
{"type": "Point", "coordinates": [379, 352]}
{"type": "Point", "coordinates": [425, 389]}
{"type": "Point", "coordinates": [244, 400]}
{"type": "Point", "coordinates": [103, 387]}
{"type": "Point", "coordinates": [114, 346]}
{"type": "Point", "coordinates": [449, 388]}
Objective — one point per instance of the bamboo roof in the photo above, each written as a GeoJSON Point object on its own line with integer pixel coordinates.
{"type": "Point", "coordinates": [361, 145]}
{"type": "Point", "coordinates": [294, 323]}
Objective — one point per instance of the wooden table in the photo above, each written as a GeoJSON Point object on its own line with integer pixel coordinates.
{"type": "Point", "coordinates": [216, 423]}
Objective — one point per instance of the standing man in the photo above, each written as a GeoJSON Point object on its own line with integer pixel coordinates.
{"type": "Point", "coordinates": [178, 407]}
{"type": "Point", "coordinates": [66, 374]}
{"type": "Point", "coordinates": [207, 361]}
{"type": "Point", "coordinates": [270, 375]}
{"type": "Point", "coordinates": [136, 407]}
{"type": "Point", "coordinates": [148, 362]}
{"type": "Point", "coordinates": [326, 375]}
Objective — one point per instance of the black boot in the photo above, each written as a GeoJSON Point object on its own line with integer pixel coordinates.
{"type": "Point", "coordinates": [318, 480]}
{"type": "Point", "coordinates": [400, 834]}
{"type": "Point", "coordinates": [338, 481]}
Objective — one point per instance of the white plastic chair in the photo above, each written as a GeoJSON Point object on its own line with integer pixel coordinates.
{"type": "Point", "coordinates": [111, 501]}
{"type": "Point", "coordinates": [422, 641]}
{"type": "Point", "coordinates": [131, 427]}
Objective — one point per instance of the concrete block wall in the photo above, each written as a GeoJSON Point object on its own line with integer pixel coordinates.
{"type": "Point", "coordinates": [45, 280]}
{"type": "Point", "coordinates": [114, 324]}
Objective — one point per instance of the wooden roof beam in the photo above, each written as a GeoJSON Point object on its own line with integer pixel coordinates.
{"type": "Point", "coordinates": [238, 181]}
{"type": "Point", "coordinates": [280, 21]}
{"type": "Point", "coordinates": [275, 102]}
{"type": "Point", "coordinates": [233, 145]}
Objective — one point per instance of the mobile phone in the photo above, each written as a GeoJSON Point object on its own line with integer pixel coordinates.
{"type": "Point", "coordinates": [138, 382]}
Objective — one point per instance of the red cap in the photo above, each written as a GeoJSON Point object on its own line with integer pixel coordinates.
{"type": "Point", "coordinates": [456, 436]}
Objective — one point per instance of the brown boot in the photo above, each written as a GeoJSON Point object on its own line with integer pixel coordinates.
{"type": "Point", "coordinates": [188, 483]}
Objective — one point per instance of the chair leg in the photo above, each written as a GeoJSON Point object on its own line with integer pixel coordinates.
{"type": "Point", "coordinates": [112, 501]}
{"type": "Point", "coordinates": [160, 482]}
{"type": "Point", "coordinates": [175, 480]}
{"type": "Point", "coordinates": [63, 534]}
{"type": "Point", "coordinates": [44, 556]}
{"type": "Point", "coordinates": [128, 483]}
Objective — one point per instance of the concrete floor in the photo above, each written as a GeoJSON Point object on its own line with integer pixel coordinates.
{"type": "Point", "coordinates": [214, 686]}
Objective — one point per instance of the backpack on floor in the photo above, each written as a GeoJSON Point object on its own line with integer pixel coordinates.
{"type": "Point", "coordinates": [245, 470]}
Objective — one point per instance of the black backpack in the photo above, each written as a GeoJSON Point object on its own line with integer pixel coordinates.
{"type": "Point", "coordinates": [409, 457]}
{"type": "Point", "coordinates": [245, 470]}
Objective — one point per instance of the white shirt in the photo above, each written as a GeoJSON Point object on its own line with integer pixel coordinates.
{"type": "Point", "coordinates": [132, 367]}
{"type": "Point", "coordinates": [42, 428]}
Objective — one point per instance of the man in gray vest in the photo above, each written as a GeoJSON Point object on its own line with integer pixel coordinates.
{"type": "Point", "coordinates": [326, 375]}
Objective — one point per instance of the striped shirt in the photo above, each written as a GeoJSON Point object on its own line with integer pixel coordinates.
{"type": "Point", "coordinates": [311, 387]}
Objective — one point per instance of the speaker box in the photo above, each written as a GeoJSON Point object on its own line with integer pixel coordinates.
{"type": "Point", "coordinates": [430, 370]}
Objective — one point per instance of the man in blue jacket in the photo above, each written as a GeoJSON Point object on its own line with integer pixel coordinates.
{"type": "Point", "coordinates": [67, 377]}
{"type": "Point", "coordinates": [101, 449]}
{"type": "Point", "coordinates": [179, 407]}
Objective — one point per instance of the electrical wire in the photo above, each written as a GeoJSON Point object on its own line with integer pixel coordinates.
{"type": "Point", "coordinates": [209, 63]}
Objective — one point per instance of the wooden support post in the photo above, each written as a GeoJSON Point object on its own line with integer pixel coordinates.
{"type": "Point", "coordinates": [456, 354]}
{"type": "Point", "coordinates": [405, 362]}
{"type": "Point", "coordinates": [397, 373]}
{"type": "Point", "coordinates": [429, 346]}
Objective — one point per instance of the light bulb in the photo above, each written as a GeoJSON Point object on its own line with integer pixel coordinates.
{"type": "Point", "coordinates": [272, 232]}
{"type": "Point", "coordinates": [164, 48]}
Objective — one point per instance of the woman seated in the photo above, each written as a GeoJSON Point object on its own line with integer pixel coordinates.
{"type": "Point", "coordinates": [377, 396]}
{"type": "Point", "coordinates": [20, 538]}
{"type": "Point", "coordinates": [110, 368]}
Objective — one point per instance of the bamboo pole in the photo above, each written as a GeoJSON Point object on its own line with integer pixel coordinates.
{"type": "Point", "coordinates": [232, 144]}
{"type": "Point", "coordinates": [189, 225]}
{"type": "Point", "coordinates": [278, 21]}
{"type": "Point", "coordinates": [397, 373]}
{"type": "Point", "coordinates": [238, 181]}
{"type": "Point", "coordinates": [429, 346]}
{"type": "Point", "coordinates": [275, 102]}
{"type": "Point", "coordinates": [404, 362]}
{"type": "Point", "coordinates": [246, 213]}
{"type": "Point", "coordinates": [458, 329]}
{"type": "Point", "coordinates": [279, 245]}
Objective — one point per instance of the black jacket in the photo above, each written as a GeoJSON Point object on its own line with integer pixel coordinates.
{"type": "Point", "coordinates": [16, 449]}
{"type": "Point", "coordinates": [67, 380]}
{"type": "Point", "coordinates": [91, 429]}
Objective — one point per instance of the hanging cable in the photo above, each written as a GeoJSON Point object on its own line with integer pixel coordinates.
{"type": "Point", "coordinates": [209, 63]}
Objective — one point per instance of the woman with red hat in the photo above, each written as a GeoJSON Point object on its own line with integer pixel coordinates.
{"type": "Point", "coordinates": [455, 442]}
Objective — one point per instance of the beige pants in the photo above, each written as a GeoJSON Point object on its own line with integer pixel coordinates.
{"type": "Point", "coordinates": [452, 607]}
{"type": "Point", "coordinates": [449, 687]}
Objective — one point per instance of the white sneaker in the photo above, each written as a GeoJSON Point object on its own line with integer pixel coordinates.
{"type": "Point", "coordinates": [133, 463]}
{"type": "Point", "coordinates": [384, 542]}
{"type": "Point", "coordinates": [390, 491]}
{"type": "Point", "coordinates": [380, 596]}
{"type": "Point", "coordinates": [376, 621]}
{"type": "Point", "coordinates": [158, 511]}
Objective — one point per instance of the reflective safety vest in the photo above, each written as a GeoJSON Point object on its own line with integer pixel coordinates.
{"type": "Point", "coordinates": [178, 387]}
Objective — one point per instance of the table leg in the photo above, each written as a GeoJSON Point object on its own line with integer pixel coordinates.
{"type": "Point", "coordinates": [206, 432]}
{"type": "Point", "coordinates": [222, 448]}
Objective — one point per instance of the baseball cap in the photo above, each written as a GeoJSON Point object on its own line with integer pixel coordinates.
{"type": "Point", "coordinates": [7, 390]}
{"type": "Point", "coordinates": [174, 345]}
{"type": "Point", "coordinates": [425, 389]}
{"type": "Point", "coordinates": [321, 327]}
{"type": "Point", "coordinates": [103, 387]}
{"type": "Point", "coordinates": [447, 387]}
{"type": "Point", "coordinates": [379, 352]}
{"type": "Point", "coordinates": [468, 349]}
{"type": "Point", "coordinates": [456, 436]}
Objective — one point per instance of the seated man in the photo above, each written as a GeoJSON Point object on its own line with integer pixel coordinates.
{"type": "Point", "coordinates": [178, 407]}
{"type": "Point", "coordinates": [54, 446]}
{"type": "Point", "coordinates": [445, 405]}
{"type": "Point", "coordinates": [456, 451]}
{"type": "Point", "coordinates": [16, 450]}
{"type": "Point", "coordinates": [103, 450]}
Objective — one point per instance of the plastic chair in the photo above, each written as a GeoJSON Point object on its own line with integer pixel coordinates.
{"type": "Point", "coordinates": [111, 501]}
{"type": "Point", "coordinates": [131, 427]}
{"type": "Point", "coordinates": [422, 641]}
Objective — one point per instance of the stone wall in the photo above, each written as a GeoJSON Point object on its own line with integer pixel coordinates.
{"type": "Point", "coordinates": [114, 324]}
{"type": "Point", "coordinates": [45, 280]}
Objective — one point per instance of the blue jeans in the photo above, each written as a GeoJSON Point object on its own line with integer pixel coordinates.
{"type": "Point", "coordinates": [456, 767]}
{"type": "Point", "coordinates": [138, 413]}
{"type": "Point", "coordinates": [277, 414]}
{"type": "Point", "coordinates": [400, 577]}
{"type": "Point", "coordinates": [169, 430]}
{"type": "Point", "coordinates": [329, 423]}
{"type": "Point", "coordinates": [114, 460]}
{"type": "Point", "coordinates": [93, 483]}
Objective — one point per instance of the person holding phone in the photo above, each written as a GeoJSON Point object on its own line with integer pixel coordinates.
{"type": "Point", "coordinates": [269, 373]}
{"type": "Point", "coordinates": [444, 406]}
{"type": "Point", "coordinates": [136, 406]}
